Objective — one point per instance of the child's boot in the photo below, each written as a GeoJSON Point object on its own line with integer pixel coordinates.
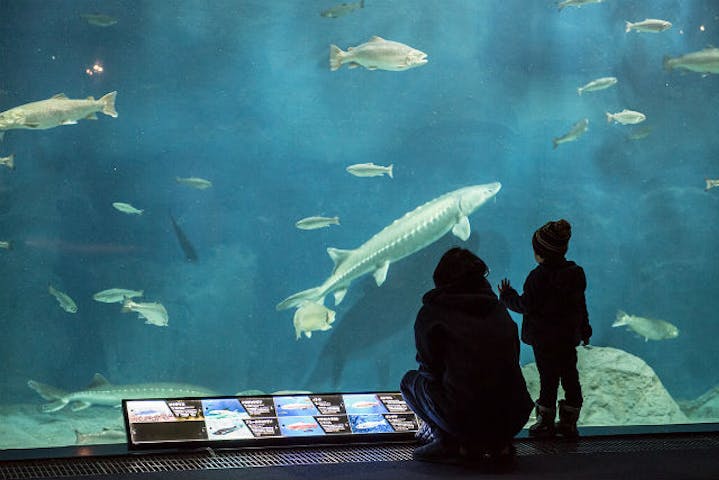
{"type": "Point", "coordinates": [544, 427]}
{"type": "Point", "coordinates": [568, 416]}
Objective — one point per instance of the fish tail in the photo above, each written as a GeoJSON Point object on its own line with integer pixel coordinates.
{"type": "Point", "coordinates": [389, 170]}
{"type": "Point", "coordinates": [49, 393]}
{"type": "Point", "coordinates": [310, 295]}
{"type": "Point", "coordinates": [10, 162]}
{"type": "Point", "coordinates": [628, 27]}
{"type": "Point", "coordinates": [709, 185]}
{"type": "Point", "coordinates": [579, 91]}
{"type": "Point", "coordinates": [609, 117]}
{"type": "Point", "coordinates": [336, 56]}
{"type": "Point", "coordinates": [108, 104]}
{"type": "Point", "coordinates": [666, 63]}
{"type": "Point", "coordinates": [621, 319]}
{"type": "Point", "coordinates": [127, 305]}
{"type": "Point", "coordinates": [555, 143]}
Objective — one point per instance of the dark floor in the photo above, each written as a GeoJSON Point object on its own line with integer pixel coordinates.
{"type": "Point", "coordinates": [634, 457]}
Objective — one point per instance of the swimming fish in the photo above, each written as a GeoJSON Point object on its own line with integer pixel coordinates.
{"type": "Point", "coordinates": [312, 223]}
{"type": "Point", "coordinates": [408, 234]}
{"type": "Point", "coordinates": [310, 317]}
{"type": "Point", "coordinates": [99, 19]}
{"type": "Point", "coordinates": [9, 162]}
{"type": "Point", "coordinates": [598, 84]}
{"type": "Point", "coordinates": [370, 170]}
{"type": "Point", "coordinates": [127, 208]}
{"type": "Point", "coordinates": [153, 313]}
{"type": "Point", "coordinates": [378, 54]}
{"type": "Point", "coordinates": [711, 183]}
{"type": "Point", "coordinates": [116, 295]}
{"type": "Point", "coordinates": [102, 392]}
{"type": "Point", "coordinates": [703, 61]}
{"type": "Point", "coordinates": [640, 133]}
{"type": "Point", "coordinates": [194, 182]}
{"type": "Point", "coordinates": [626, 117]}
{"type": "Point", "coordinates": [651, 25]}
{"type": "Point", "coordinates": [649, 328]}
{"type": "Point", "coordinates": [6, 244]}
{"type": "Point", "coordinates": [574, 133]}
{"type": "Point", "coordinates": [66, 303]}
{"type": "Point", "coordinates": [106, 435]}
{"type": "Point", "coordinates": [342, 9]}
{"type": "Point", "coordinates": [575, 3]}
{"type": "Point", "coordinates": [55, 111]}
{"type": "Point", "coordinates": [185, 245]}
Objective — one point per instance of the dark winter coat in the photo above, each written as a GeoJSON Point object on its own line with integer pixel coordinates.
{"type": "Point", "coordinates": [468, 347]}
{"type": "Point", "coordinates": [553, 304]}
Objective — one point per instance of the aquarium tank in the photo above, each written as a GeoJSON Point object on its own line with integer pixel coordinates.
{"type": "Point", "coordinates": [213, 197]}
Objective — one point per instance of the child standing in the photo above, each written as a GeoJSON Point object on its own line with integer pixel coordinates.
{"type": "Point", "coordinates": [555, 320]}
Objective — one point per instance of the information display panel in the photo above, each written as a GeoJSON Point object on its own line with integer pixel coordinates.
{"type": "Point", "coordinates": [268, 420]}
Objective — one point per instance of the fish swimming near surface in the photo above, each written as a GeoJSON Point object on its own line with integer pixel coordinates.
{"type": "Point", "coordinates": [626, 117]}
{"type": "Point", "coordinates": [342, 9]}
{"type": "Point", "coordinates": [703, 61]}
{"type": "Point", "coordinates": [598, 84]}
{"type": "Point", "coordinates": [574, 133]}
{"type": "Point", "coordinates": [99, 19]}
{"type": "Point", "coordinates": [651, 25]}
{"type": "Point", "coordinates": [310, 317]}
{"type": "Point", "coordinates": [102, 392]}
{"type": "Point", "coordinates": [412, 232]}
{"type": "Point", "coordinates": [116, 295]}
{"type": "Point", "coordinates": [194, 182]}
{"type": "Point", "coordinates": [106, 435]}
{"type": "Point", "coordinates": [66, 303]}
{"type": "Point", "coordinates": [8, 162]}
{"type": "Point", "coordinates": [185, 245]}
{"type": "Point", "coordinates": [153, 313]}
{"type": "Point", "coordinates": [378, 54]}
{"type": "Point", "coordinates": [711, 183]}
{"type": "Point", "coordinates": [126, 208]}
{"type": "Point", "coordinates": [649, 328]}
{"type": "Point", "coordinates": [575, 3]}
{"type": "Point", "coordinates": [55, 111]}
{"type": "Point", "coordinates": [313, 223]}
{"type": "Point", "coordinates": [370, 170]}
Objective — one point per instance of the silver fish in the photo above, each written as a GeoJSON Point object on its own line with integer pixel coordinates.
{"type": "Point", "coordinates": [574, 133]}
{"type": "Point", "coordinates": [626, 117]}
{"type": "Point", "coordinates": [312, 223]}
{"type": "Point", "coordinates": [703, 61]}
{"type": "Point", "coordinates": [651, 25]}
{"type": "Point", "coordinates": [153, 313]}
{"type": "Point", "coordinates": [598, 84]}
{"type": "Point", "coordinates": [370, 170]}
{"type": "Point", "coordinates": [194, 182]}
{"type": "Point", "coordinates": [66, 303]}
{"type": "Point", "coordinates": [99, 19]}
{"type": "Point", "coordinates": [116, 295]}
{"type": "Point", "coordinates": [649, 328]}
{"type": "Point", "coordinates": [378, 54]}
{"type": "Point", "coordinates": [575, 3]}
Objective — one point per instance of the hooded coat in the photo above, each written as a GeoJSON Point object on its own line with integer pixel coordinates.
{"type": "Point", "coordinates": [468, 351]}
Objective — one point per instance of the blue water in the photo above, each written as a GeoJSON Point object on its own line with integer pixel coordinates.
{"type": "Point", "coordinates": [240, 93]}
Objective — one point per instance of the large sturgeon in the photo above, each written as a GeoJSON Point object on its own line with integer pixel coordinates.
{"type": "Point", "coordinates": [406, 235]}
{"type": "Point", "coordinates": [102, 392]}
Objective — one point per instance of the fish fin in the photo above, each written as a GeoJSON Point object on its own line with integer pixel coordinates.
{"type": "Point", "coordinates": [376, 38]}
{"type": "Point", "coordinates": [355, 65]}
{"type": "Point", "coordinates": [389, 170]}
{"type": "Point", "coordinates": [579, 91]}
{"type": "Point", "coordinates": [79, 405]}
{"type": "Point", "coordinates": [340, 295]}
{"type": "Point", "coordinates": [310, 295]}
{"type": "Point", "coordinates": [336, 56]}
{"type": "Point", "coordinates": [68, 122]}
{"type": "Point", "coordinates": [338, 255]}
{"type": "Point", "coordinates": [54, 406]}
{"type": "Point", "coordinates": [368, 68]}
{"type": "Point", "coordinates": [308, 334]}
{"type": "Point", "coordinates": [462, 229]}
{"type": "Point", "coordinates": [11, 162]}
{"type": "Point", "coordinates": [98, 380]}
{"type": "Point", "coordinates": [47, 392]}
{"type": "Point", "coordinates": [380, 275]}
{"type": "Point", "coordinates": [325, 328]}
{"type": "Point", "coordinates": [628, 27]}
{"type": "Point", "coordinates": [108, 104]}
{"type": "Point", "coordinates": [91, 116]}
{"type": "Point", "coordinates": [621, 319]}
{"type": "Point", "coordinates": [60, 96]}
{"type": "Point", "coordinates": [609, 117]}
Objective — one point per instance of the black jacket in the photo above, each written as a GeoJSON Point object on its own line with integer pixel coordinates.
{"type": "Point", "coordinates": [468, 347]}
{"type": "Point", "coordinates": [553, 304]}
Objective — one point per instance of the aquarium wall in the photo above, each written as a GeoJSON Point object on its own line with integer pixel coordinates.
{"type": "Point", "coordinates": [154, 239]}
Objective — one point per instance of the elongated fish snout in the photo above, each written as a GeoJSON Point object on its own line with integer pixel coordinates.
{"type": "Point", "coordinates": [474, 197]}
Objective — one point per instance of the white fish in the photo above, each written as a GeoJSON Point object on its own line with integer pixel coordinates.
{"type": "Point", "coordinates": [99, 19]}
{"type": "Point", "coordinates": [310, 317]}
{"type": "Point", "coordinates": [312, 223]}
{"type": "Point", "coordinates": [153, 313]}
{"type": "Point", "coordinates": [370, 170]}
{"type": "Point", "coordinates": [703, 61]}
{"type": "Point", "coordinates": [651, 25]}
{"type": "Point", "coordinates": [342, 9]}
{"type": "Point", "coordinates": [649, 328]}
{"type": "Point", "coordinates": [378, 54]}
{"type": "Point", "coordinates": [116, 295]}
{"type": "Point", "coordinates": [598, 84]}
{"type": "Point", "coordinates": [9, 162]}
{"type": "Point", "coordinates": [66, 303]}
{"type": "Point", "coordinates": [55, 111]}
{"type": "Point", "coordinates": [6, 244]}
{"type": "Point", "coordinates": [711, 183]}
{"type": "Point", "coordinates": [575, 3]}
{"type": "Point", "coordinates": [194, 182]}
{"type": "Point", "coordinates": [626, 117]}
{"type": "Point", "coordinates": [574, 133]}
{"type": "Point", "coordinates": [127, 208]}
{"type": "Point", "coordinates": [415, 230]}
